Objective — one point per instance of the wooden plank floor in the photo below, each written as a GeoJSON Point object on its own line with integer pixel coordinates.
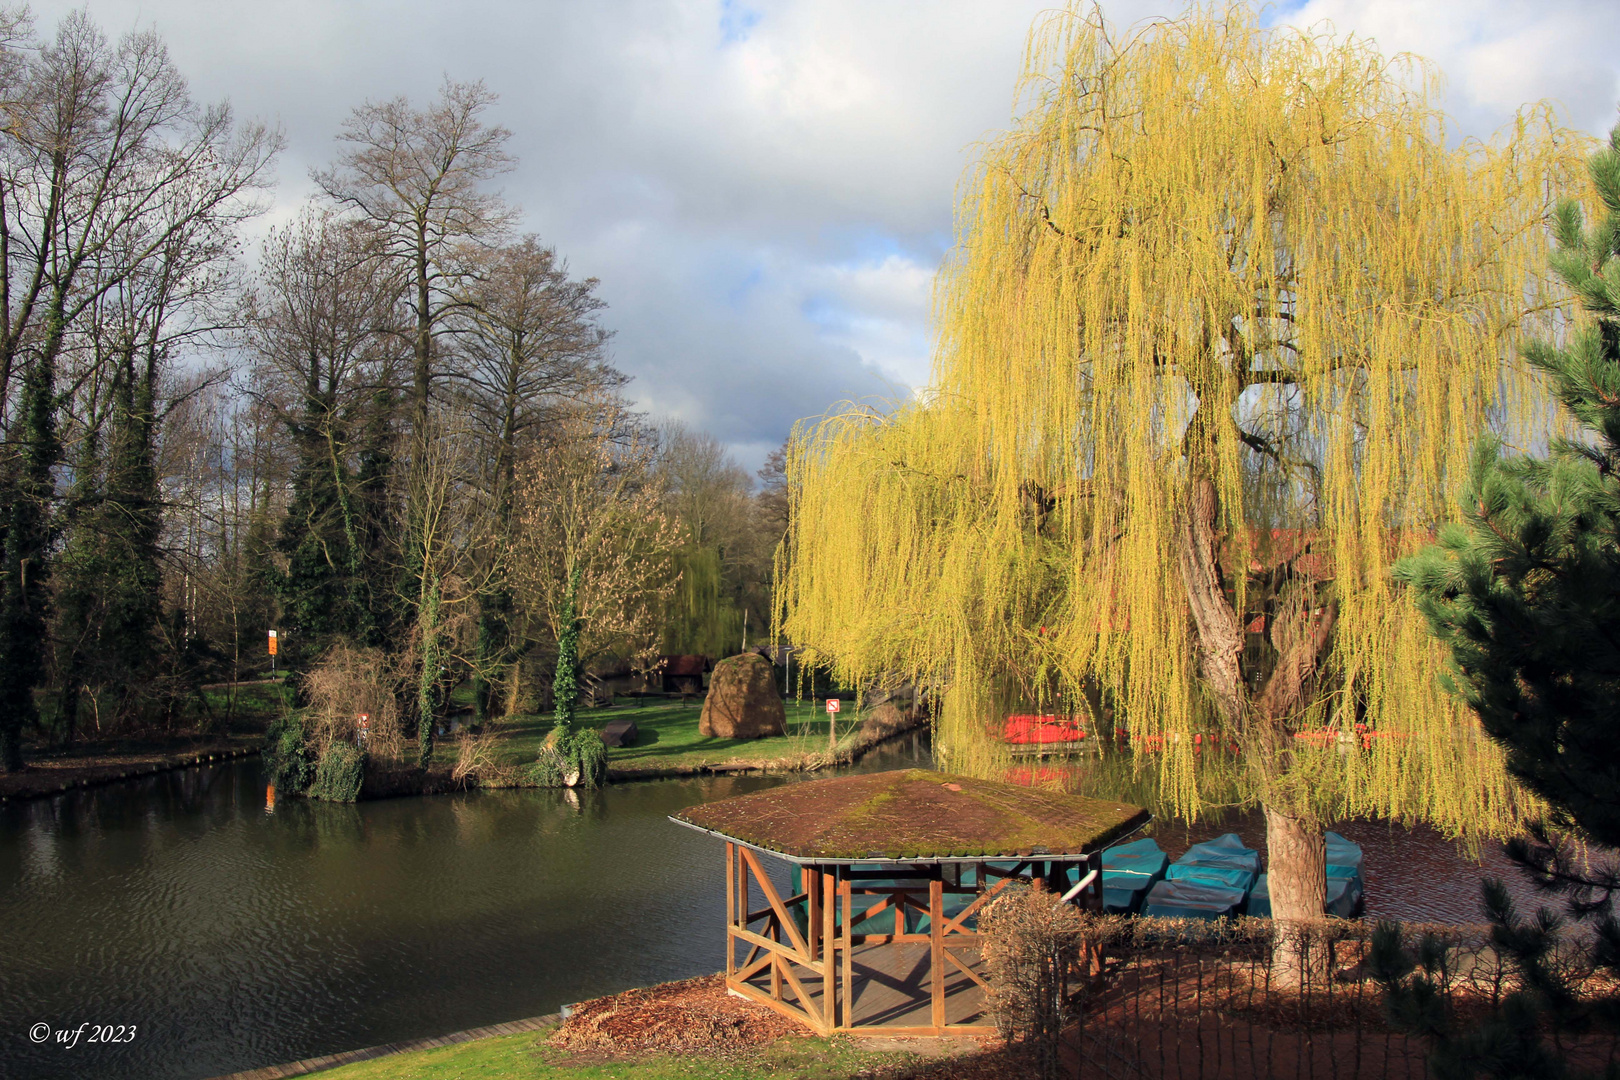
{"type": "Point", "coordinates": [893, 987]}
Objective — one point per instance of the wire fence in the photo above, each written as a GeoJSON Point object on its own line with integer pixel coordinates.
{"type": "Point", "coordinates": [1180, 1000]}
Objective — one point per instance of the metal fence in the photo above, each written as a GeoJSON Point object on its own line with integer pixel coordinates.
{"type": "Point", "coordinates": [1185, 999]}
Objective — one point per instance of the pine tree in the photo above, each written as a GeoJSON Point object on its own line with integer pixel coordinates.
{"type": "Point", "coordinates": [1525, 593]}
{"type": "Point", "coordinates": [1525, 590]}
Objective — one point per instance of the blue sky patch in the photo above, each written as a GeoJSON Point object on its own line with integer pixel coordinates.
{"type": "Point", "coordinates": [736, 21]}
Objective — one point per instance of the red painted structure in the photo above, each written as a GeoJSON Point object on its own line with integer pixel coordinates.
{"type": "Point", "coordinates": [1030, 729]}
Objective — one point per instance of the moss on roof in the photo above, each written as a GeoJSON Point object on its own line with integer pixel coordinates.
{"type": "Point", "coordinates": [914, 814]}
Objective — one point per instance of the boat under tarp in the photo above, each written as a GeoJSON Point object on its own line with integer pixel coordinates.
{"type": "Point", "coordinates": [1186, 899]}
{"type": "Point", "coordinates": [1128, 872]}
{"type": "Point", "coordinates": [1342, 898]}
{"type": "Point", "coordinates": [1222, 862]}
{"type": "Point", "coordinates": [1344, 861]}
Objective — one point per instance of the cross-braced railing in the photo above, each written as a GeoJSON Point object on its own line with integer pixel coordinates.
{"type": "Point", "coordinates": [797, 953]}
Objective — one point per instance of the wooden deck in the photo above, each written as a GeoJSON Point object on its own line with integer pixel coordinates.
{"type": "Point", "coordinates": [893, 988]}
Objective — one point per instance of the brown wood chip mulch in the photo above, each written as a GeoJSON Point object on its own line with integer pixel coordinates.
{"type": "Point", "coordinates": [696, 1015]}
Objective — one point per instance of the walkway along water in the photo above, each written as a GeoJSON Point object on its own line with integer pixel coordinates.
{"type": "Point", "coordinates": [233, 939]}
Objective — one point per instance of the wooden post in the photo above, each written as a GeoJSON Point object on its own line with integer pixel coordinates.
{"type": "Point", "coordinates": [829, 949]}
{"type": "Point", "coordinates": [846, 941]}
{"type": "Point", "coordinates": [936, 935]}
{"type": "Point", "coordinates": [810, 880]}
{"type": "Point", "coordinates": [731, 908]}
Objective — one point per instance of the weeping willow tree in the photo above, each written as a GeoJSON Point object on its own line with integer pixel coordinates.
{"type": "Point", "coordinates": [1224, 316]}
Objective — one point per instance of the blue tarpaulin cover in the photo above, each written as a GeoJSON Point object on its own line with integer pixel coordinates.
{"type": "Point", "coordinates": [1342, 895]}
{"type": "Point", "coordinates": [1191, 900]}
{"type": "Point", "coordinates": [1223, 861]}
{"type": "Point", "coordinates": [1128, 871]}
{"type": "Point", "coordinates": [1344, 861]}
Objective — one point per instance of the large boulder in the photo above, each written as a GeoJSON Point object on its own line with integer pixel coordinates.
{"type": "Point", "coordinates": [743, 702]}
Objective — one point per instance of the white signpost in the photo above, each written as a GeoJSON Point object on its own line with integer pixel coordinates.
{"type": "Point", "coordinates": [832, 724]}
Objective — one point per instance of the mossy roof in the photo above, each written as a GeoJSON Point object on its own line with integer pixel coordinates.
{"type": "Point", "coordinates": [914, 814]}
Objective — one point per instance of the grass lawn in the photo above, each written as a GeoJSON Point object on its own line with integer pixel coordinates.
{"type": "Point", "coordinates": [255, 699]}
{"type": "Point", "coordinates": [668, 736]}
{"type": "Point", "coordinates": [523, 1056]}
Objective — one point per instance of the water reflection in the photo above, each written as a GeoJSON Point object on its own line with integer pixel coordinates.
{"type": "Point", "coordinates": [237, 938]}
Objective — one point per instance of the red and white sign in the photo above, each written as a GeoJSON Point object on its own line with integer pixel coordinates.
{"type": "Point", "coordinates": [832, 705]}
{"type": "Point", "coordinates": [272, 643]}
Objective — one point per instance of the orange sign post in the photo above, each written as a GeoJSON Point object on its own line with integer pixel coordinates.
{"type": "Point", "coordinates": [273, 643]}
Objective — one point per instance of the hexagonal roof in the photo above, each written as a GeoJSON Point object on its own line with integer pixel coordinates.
{"type": "Point", "coordinates": [914, 815]}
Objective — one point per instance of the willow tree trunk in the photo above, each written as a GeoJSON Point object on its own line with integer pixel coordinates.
{"type": "Point", "coordinates": [1259, 719]}
{"type": "Point", "coordinates": [1296, 856]}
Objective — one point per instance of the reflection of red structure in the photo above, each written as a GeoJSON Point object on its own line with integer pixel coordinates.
{"type": "Point", "coordinates": [1364, 735]}
{"type": "Point", "coordinates": [1028, 729]}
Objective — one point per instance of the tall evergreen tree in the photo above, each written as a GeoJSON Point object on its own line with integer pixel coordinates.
{"type": "Point", "coordinates": [1525, 593]}
{"type": "Point", "coordinates": [25, 542]}
{"type": "Point", "coordinates": [1525, 590]}
{"type": "Point", "coordinates": [109, 582]}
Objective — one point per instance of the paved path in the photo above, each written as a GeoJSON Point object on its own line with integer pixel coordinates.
{"type": "Point", "coordinates": [332, 1061]}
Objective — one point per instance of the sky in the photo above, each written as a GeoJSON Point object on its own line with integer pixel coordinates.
{"type": "Point", "coordinates": [765, 188]}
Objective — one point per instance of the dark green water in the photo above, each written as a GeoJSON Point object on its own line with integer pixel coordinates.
{"type": "Point", "coordinates": [232, 938]}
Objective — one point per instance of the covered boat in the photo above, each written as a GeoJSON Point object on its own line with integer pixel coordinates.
{"type": "Point", "coordinates": [1187, 899]}
{"type": "Point", "coordinates": [1345, 891]}
{"type": "Point", "coordinates": [1224, 862]}
{"type": "Point", "coordinates": [1128, 872]}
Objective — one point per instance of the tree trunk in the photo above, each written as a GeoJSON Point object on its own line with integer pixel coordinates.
{"type": "Point", "coordinates": [1296, 858]}
{"type": "Point", "coordinates": [428, 681]}
{"type": "Point", "coordinates": [1220, 636]}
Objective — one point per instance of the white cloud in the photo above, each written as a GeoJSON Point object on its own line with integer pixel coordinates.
{"type": "Point", "coordinates": [765, 189]}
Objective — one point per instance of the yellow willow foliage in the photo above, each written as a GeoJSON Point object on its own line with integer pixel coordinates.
{"type": "Point", "coordinates": [1205, 250]}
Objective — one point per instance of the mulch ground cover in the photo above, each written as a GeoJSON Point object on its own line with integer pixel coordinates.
{"type": "Point", "coordinates": [698, 1017]}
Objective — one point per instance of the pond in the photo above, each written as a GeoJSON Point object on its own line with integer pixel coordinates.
{"type": "Point", "coordinates": [232, 938]}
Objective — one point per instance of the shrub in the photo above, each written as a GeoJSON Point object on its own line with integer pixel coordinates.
{"type": "Point", "coordinates": [339, 773]}
{"type": "Point", "coordinates": [570, 751]}
{"type": "Point", "coordinates": [476, 759]}
{"type": "Point", "coordinates": [347, 682]}
{"type": "Point", "coordinates": [286, 756]}
{"type": "Point", "coordinates": [1031, 943]}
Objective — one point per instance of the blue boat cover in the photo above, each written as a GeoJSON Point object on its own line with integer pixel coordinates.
{"type": "Point", "coordinates": [1342, 896]}
{"type": "Point", "coordinates": [1191, 900]}
{"type": "Point", "coordinates": [1128, 871]}
{"type": "Point", "coordinates": [1344, 860]}
{"type": "Point", "coordinates": [1223, 861]}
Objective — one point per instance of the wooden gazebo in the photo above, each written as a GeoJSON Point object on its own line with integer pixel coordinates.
{"type": "Point", "coordinates": [878, 933]}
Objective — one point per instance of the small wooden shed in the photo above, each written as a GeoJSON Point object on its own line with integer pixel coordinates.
{"type": "Point", "coordinates": [877, 934]}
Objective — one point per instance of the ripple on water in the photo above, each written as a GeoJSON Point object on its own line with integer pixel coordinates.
{"type": "Point", "coordinates": [237, 939]}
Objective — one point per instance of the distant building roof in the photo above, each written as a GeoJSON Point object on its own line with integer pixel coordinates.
{"type": "Point", "coordinates": [914, 815]}
{"type": "Point", "coordinates": [684, 665]}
